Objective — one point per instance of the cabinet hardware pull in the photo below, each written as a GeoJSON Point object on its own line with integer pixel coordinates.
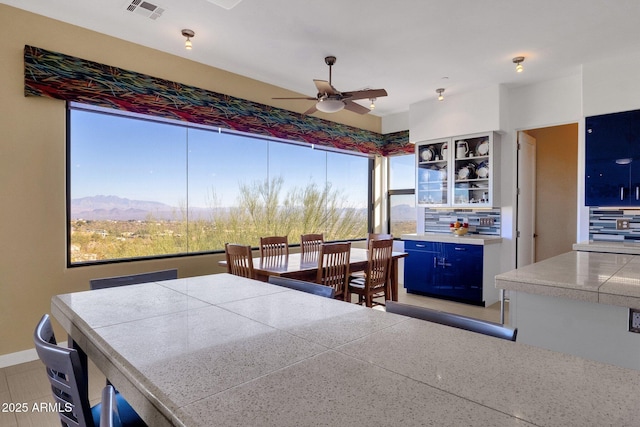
{"type": "Point", "coordinates": [621, 193]}
{"type": "Point", "coordinates": [435, 262]}
{"type": "Point", "coordinates": [637, 192]}
{"type": "Point", "coordinates": [421, 246]}
{"type": "Point", "coordinates": [444, 262]}
{"type": "Point", "coordinates": [460, 249]}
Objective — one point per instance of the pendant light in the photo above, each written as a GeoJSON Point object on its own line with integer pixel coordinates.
{"type": "Point", "coordinates": [440, 94]}
{"type": "Point", "coordinates": [188, 34]}
{"type": "Point", "coordinates": [518, 60]}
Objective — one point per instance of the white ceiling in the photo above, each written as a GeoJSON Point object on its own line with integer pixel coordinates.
{"type": "Point", "coordinates": [408, 47]}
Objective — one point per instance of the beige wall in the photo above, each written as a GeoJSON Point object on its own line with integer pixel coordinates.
{"type": "Point", "coordinates": [556, 189]}
{"type": "Point", "coordinates": [32, 166]}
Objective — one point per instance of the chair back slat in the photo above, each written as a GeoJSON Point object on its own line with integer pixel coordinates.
{"type": "Point", "coordinates": [239, 260]}
{"type": "Point", "coordinates": [274, 246]}
{"type": "Point", "coordinates": [333, 267]}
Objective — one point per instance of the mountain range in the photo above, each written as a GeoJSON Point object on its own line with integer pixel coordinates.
{"type": "Point", "coordinates": [122, 209]}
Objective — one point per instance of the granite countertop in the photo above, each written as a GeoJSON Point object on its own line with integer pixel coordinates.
{"type": "Point", "coordinates": [188, 351]}
{"type": "Point", "coordinates": [608, 247]}
{"type": "Point", "coordinates": [468, 239]}
{"type": "Point", "coordinates": [606, 278]}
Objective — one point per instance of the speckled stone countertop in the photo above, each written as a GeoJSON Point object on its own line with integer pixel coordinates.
{"type": "Point", "coordinates": [605, 278]}
{"type": "Point", "coordinates": [226, 351]}
{"type": "Point", "coordinates": [608, 247]}
{"type": "Point", "coordinates": [468, 239]}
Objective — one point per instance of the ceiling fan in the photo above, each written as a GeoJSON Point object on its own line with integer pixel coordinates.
{"type": "Point", "coordinates": [330, 100]}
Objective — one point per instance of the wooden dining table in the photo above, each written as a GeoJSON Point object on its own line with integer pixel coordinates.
{"type": "Point", "coordinates": [223, 350]}
{"type": "Point", "coordinates": [305, 267]}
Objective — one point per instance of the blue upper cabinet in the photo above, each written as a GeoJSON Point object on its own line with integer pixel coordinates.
{"type": "Point", "coordinates": [612, 167]}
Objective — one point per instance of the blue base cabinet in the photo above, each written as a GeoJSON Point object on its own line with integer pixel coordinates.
{"type": "Point", "coordinates": [445, 270]}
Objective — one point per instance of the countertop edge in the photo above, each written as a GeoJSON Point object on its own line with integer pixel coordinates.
{"type": "Point", "coordinates": [472, 239]}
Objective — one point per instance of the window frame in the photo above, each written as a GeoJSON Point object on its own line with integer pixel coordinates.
{"type": "Point", "coordinates": [396, 192]}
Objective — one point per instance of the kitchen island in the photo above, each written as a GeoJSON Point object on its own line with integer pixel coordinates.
{"type": "Point", "coordinates": [577, 303]}
{"type": "Point", "coordinates": [228, 351]}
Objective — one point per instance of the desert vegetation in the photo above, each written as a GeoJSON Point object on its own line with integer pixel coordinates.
{"type": "Point", "coordinates": [262, 209]}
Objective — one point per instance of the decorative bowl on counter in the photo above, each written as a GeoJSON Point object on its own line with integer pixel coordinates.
{"type": "Point", "coordinates": [458, 228]}
{"type": "Point", "coordinates": [460, 231]}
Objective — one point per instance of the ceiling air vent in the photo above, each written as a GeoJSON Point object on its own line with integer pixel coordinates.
{"type": "Point", "coordinates": [146, 9]}
{"type": "Point", "coordinates": [227, 4]}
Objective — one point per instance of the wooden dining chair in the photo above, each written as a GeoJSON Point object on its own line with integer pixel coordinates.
{"type": "Point", "coordinates": [455, 320]}
{"type": "Point", "coordinates": [274, 246]}
{"type": "Point", "coordinates": [239, 260]}
{"type": "Point", "coordinates": [310, 247]}
{"type": "Point", "coordinates": [69, 383]}
{"type": "Point", "coordinates": [371, 236]}
{"type": "Point", "coordinates": [311, 243]}
{"type": "Point", "coordinates": [333, 267]}
{"type": "Point", "coordinates": [375, 283]}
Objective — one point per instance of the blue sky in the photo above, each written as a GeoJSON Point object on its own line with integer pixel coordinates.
{"type": "Point", "coordinates": [146, 160]}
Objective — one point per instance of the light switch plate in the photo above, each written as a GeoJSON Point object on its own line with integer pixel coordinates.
{"type": "Point", "coordinates": [634, 320]}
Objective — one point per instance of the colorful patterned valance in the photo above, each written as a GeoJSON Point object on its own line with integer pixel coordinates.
{"type": "Point", "coordinates": [61, 76]}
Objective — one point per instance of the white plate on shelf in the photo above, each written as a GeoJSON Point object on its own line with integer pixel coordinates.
{"type": "Point", "coordinates": [427, 154]}
{"type": "Point", "coordinates": [483, 148]}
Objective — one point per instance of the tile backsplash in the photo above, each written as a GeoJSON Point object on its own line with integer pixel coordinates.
{"type": "Point", "coordinates": [437, 220]}
{"type": "Point", "coordinates": [602, 225]}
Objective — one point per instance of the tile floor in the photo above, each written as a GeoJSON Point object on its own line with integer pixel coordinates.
{"type": "Point", "coordinates": [27, 383]}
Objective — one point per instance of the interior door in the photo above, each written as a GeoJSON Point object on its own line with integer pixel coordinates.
{"type": "Point", "coordinates": [526, 204]}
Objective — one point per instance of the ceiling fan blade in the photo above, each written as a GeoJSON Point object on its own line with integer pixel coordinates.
{"type": "Point", "coordinates": [307, 98]}
{"type": "Point", "coordinates": [311, 110]}
{"type": "Point", "coordinates": [356, 108]}
{"type": "Point", "coordinates": [324, 87]}
{"type": "Point", "coordinates": [365, 94]}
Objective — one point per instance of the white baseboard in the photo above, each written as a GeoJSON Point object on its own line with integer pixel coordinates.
{"type": "Point", "coordinates": [21, 356]}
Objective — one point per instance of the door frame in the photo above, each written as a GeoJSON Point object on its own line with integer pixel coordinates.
{"type": "Point", "coordinates": [580, 220]}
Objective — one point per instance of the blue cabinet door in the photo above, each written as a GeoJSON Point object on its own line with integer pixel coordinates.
{"type": "Point", "coordinates": [463, 272]}
{"type": "Point", "coordinates": [420, 273]}
{"type": "Point", "coordinates": [612, 159]}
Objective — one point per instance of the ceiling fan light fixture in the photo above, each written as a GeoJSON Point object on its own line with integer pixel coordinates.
{"type": "Point", "coordinates": [188, 34]}
{"type": "Point", "coordinates": [329, 105]}
{"type": "Point", "coordinates": [440, 92]}
{"type": "Point", "coordinates": [518, 60]}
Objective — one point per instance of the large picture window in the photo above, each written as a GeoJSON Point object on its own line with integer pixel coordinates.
{"type": "Point", "coordinates": [143, 188]}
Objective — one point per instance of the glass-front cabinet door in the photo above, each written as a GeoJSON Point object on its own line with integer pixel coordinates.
{"type": "Point", "coordinates": [458, 172]}
{"type": "Point", "coordinates": [474, 170]}
{"type": "Point", "coordinates": [432, 172]}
